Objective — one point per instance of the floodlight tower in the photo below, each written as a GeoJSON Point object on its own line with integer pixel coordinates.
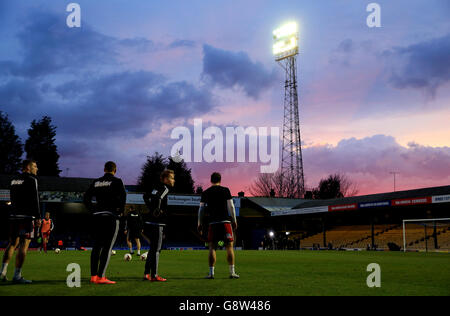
{"type": "Point", "coordinates": [285, 49]}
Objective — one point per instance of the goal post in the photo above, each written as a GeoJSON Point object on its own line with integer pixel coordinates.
{"type": "Point", "coordinates": [426, 234]}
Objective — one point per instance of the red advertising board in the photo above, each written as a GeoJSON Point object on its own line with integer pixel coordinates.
{"type": "Point", "coordinates": [413, 201]}
{"type": "Point", "coordinates": [345, 207]}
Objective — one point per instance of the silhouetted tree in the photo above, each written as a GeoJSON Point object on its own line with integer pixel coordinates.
{"type": "Point", "coordinates": [275, 185]}
{"type": "Point", "coordinates": [11, 148]}
{"type": "Point", "coordinates": [156, 164]}
{"type": "Point", "coordinates": [184, 183]}
{"type": "Point", "coordinates": [199, 190]}
{"type": "Point", "coordinates": [335, 186]}
{"type": "Point", "coordinates": [151, 171]}
{"type": "Point", "coordinates": [263, 185]}
{"type": "Point", "coordinates": [41, 146]}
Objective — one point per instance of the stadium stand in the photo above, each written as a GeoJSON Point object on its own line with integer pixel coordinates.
{"type": "Point", "coordinates": [357, 236]}
{"type": "Point", "coordinates": [422, 243]}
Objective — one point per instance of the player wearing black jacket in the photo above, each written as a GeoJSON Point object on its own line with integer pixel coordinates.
{"type": "Point", "coordinates": [133, 230]}
{"type": "Point", "coordinates": [25, 215]}
{"type": "Point", "coordinates": [155, 221]}
{"type": "Point", "coordinates": [111, 196]}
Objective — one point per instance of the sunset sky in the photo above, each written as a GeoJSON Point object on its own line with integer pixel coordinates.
{"type": "Point", "coordinates": [372, 100]}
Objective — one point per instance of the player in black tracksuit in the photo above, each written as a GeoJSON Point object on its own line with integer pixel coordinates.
{"type": "Point", "coordinates": [110, 195]}
{"type": "Point", "coordinates": [25, 215]}
{"type": "Point", "coordinates": [155, 221]}
{"type": "Point", "coordinates": [133, 230]}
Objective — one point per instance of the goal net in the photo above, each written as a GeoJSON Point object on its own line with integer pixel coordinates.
{"type": "Point", "coordinates": [426, 234]}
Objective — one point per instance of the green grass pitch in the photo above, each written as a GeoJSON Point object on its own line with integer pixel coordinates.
{"type": "Point", "coordinates": [263, 273]}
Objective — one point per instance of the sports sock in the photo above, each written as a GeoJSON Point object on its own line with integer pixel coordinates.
{"type": "Point", "coordinates": [139, 252]}
{"type": "Point", "coordinates": [211, 270]}
{"type": "Point", "coordinates": [17, 273]}
{"type": "Point", "coordinates": [4, 269]}
{"type": "Point", "coordinates": [232, 269]}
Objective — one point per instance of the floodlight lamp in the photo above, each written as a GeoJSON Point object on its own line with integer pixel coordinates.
{"type": "Point", "coordinates": [271, 234]}
{"type": "Point", "coordinates": [288, 44]}
{"type": "Point", "coordinates": [286, 30]}
{"type": "Point", "coordinates": [285, 40]}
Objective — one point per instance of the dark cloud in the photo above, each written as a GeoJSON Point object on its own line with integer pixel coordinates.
{"type": "Point", "coordinates": [3, 8]}
{"type": "Point", "coordinates": [424, 66]}
{"type": "Point", "coordinates": [182, 43]}
{"type": "Point", "coordinates": [139, 43]}
{"type": "Point", "coordinates": [348, 52]}
{"type": "Point", "coordinates": [126, 104]}
{"type": "Point", "coordinates": [49, 46]}
{"type": "Point", "coordinates": [346, 46]}
{"type": "Point", "coordinates": [96, 118]}
{"type": "Point", "coordinates": [65, 73]}
{"type": "Point", "coordinates": [19, 96]}
{"type": "Point", "coordinates": [230, 70]}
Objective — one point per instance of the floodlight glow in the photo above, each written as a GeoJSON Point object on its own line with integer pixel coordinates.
{"type": "Point", "coordinates": [285, 45]}
{"type": "Point", "coordinates": [8, 203]}
{"type": "Point", "coordinates": [285, 31]}
{"type": "Point", "coordinates": [285, 40]}
{"type": "Point", "coordinates": [288, 233]}
{"type": "Point", "coordinates": [271, 234]}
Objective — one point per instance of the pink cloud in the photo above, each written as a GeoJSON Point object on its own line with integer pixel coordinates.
{"type": "Point", "coordinates": [369, 161]}
{"type": "Point", "coordinates": [366, 161]}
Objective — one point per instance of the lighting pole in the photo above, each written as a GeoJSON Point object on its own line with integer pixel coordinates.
{"type": "Point", "coordinates": [285, 50]}
{"type": "Point", "coordinates": [395, 173]}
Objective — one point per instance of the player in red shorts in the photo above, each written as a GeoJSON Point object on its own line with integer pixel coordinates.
{"type": "Point", "coordinates": [25, 216]}
{"type": "Point", "coordinates": [46, 228]}
{"type": "Point", "coordinates": [218, 202]}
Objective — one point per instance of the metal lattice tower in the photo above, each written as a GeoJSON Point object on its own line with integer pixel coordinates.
{"type": "Point", "coordinates": [286, 51]}
{"type": "Point", "coordinates": [292, 160]}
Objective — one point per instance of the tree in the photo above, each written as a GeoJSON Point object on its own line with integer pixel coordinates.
{"type": "Point", "coordinates": [199, 190]}
{"type": "Point", "coordinates": [40, 146]}
{"type": "Point", "coordinates": [274, 184]}
{"type": "Point", "coordinates": [11, 148]}
{"type": "Point", "coordinates": [348, 187]}
{"type": "Point", "coordinates": [335, 186]}
{"type": "Point", "coordinates": [151, 171]}
{"type": "Point", "coordinates": [156, 164]}
{"type": "Point", "coordinates": [263, 184]}
{"type": "Point", "coordinates": [184, 183]}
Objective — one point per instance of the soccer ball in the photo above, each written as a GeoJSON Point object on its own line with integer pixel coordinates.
{"type": "Point", "coordinates": [144, 256]}
{"type": "Point", "coordinates": [127, 257]}
{"type": "Point", "coordinates": [57, 250]}
{"type": "Point", "coordinates": [113, 252]}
